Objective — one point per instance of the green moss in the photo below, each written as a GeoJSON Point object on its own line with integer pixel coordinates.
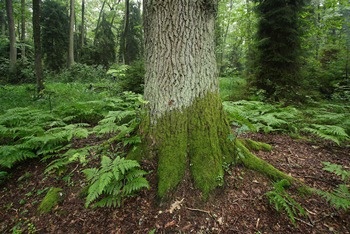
{"type": "Point", "coordinates": [255, 145]}
{"type": "Point", "coordinates": [51, 199]}
{"type": "Point", "coordinates": [136, 153]}
{"type": "Point", "coordinates": [169, 140]}
{"type": "Point", "coordinates": [253, 162]}
{"type": "Point", "coordinates": [193, 139]}
{"type": "Point", "coordinates": [206, 124]}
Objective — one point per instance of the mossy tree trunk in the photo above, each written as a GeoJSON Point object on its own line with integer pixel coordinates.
{"type": "Point", "coordinates": [185, 126]}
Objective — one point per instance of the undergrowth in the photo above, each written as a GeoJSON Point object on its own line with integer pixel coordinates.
{"type": "Point", "coordinates": [114, 181]}
{"type": "Point", "coordinates": [282, 201]}
{"type": "Point", "coordinates": [329, 122]}
{"type": "Point", "coordinates": [340, 196]}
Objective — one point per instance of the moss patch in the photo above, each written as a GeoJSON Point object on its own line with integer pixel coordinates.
{"type": "Point", "coordinates": [52, 198]}
{"type": "Point", "coordinates": [255, 145]}
{"type": "Point", "coordinates": [193, 139]}
{"type": "Point", "coordinates": [253, 162]}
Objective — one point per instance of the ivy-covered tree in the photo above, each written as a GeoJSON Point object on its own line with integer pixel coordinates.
{"type": "Point", "coordinates": [55, 34]}
{"type": "Point", "coordinates": [278, 43]}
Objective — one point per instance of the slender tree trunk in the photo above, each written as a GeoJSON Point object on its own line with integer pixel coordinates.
{"type": "Point", "coordinates": [125, 33]}
{"type": "Point", "coordinates": [23, 29]}
{"type": "Point", "coordinates": [82, 32]}
{"type": "Point", "coordinates": [2, 23]}
{"type": "Point", "coordinates": [99, 20]}
{"type": "Point", "coordinates": [185, 127]}
{"type": "Point", "coordinates": [37, 45]}
{"type": "Point", "coordinates": [71, 35]}
{"type": "Point", "coordinates": [12, 35]}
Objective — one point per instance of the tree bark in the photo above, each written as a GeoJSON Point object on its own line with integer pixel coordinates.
{"type": "Point", "coordinates": [37, 46]}
{"type": "Point", "coordinates": [185, 127]}
{"type": "Point", "coordinates": [12, 35]}
{"type": "Point", "coordinates": [71, 35]}
{"type": "Point", "coordinates": [23, 29]}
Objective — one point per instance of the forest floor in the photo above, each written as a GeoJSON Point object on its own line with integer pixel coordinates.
{"type": "Point", "coordinates": [240, 206]}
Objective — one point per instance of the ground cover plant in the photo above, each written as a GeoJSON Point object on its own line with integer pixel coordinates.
{"type": "Point", "coordinates": [75, 144]}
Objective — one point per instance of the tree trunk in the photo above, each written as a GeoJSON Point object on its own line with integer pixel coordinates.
{"type": "Point", "coordinates": [23, 28]}
{"type": "Point", "coordinates": [71, 35]}
{"type": "Point", "coordinates": [37, 46]}
{"type": "Point", "coordinates": [185, 127]}
{"type": "Point", "coordinates": [12, 35]}
{"type": "Point", "coordinates": [125, 34]}
{"type": "Point", "coordinates": [82, 29]}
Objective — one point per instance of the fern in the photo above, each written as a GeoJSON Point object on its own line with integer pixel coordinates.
{"type": "Point", "coordinates": [72, 155]}
{"type": "Point", "coordinates": [115, 180]}
{"type": "Point", "coordinates": [340, 196]}
{"type": "Point", "coordinates": [337, 170]}
{"type": "Point", "coordinates": [259, 116]}
{"type": "Point", "coordinates": [284, 202]}
{"type": "Point", "coordinates": [328, 132]}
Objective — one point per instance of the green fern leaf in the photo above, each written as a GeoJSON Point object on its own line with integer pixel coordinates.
{"type": "Point", "coordinates": [134, 185]}
{"type": "Point", "coordinates": [104, 180]}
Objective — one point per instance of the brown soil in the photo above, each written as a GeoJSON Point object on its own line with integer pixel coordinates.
{"type": "Point", "coordinates": [239, 207]}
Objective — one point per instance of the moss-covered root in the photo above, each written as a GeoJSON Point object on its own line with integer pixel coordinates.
{"type": "Point", "coordinates": [52, 198]}
{"type": "Point", "coordinates": [255, 145]}
{"type": "Point", "coordinates": [253, 162]}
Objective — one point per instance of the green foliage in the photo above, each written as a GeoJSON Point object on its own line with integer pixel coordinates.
{"type": "Point", "coordinates": [29, 133]}
{"type": "Point", "coordinates": [131, 37]}
{"type": "Point", "coordinates": [232, 88]}
{"type": "Point", "coordinates": [328, 132]}
{"type": "Point", "coordinates": [340, 196]}
{"type": "Point", "coordinates": [282, 201]}
{"type": "Point", "coordinates": [72, 155]}
{"type": "Point", "coordinates": [51, 199]}
{"type": "Point", "coordinates": [104, 45]}
{"type": "Point", "coordinates": [81, 73]}
{"type": "Point", "coordinates": [278, 44]}
{"type": "Point", "coordinates": [55, 25]}
{"type": "Point", "coordinates": [115, 180]}
{"type": "Point", "coordinates": [258, 116]}
{"type": "Point", "coordinates": [327, 121]}
{"type": "Point", "coordinates": [129, 77]}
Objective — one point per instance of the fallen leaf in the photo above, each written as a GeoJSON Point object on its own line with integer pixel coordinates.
{"type": "Point", "coordinates": [175, 206]}
{"type": "Point", "coordinates": [169, 224]}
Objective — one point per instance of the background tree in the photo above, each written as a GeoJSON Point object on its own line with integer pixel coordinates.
{"type": "Point", "coordinates": [278, 61]}
{"type": "Point", "coordinates": [104, 51]}
{"type": "Point", "coordinates": [37, 46]}
{"type": "Point", "coordinates": [71, 34]}
{"type": "Point", "coordinates": [131, 38]}
{"type": "Point", "coordinates": [55, 30]}
{"type": "Point", "coordinates": [23, 28]}
{"type": "Point", "coordinates": [12, 35]}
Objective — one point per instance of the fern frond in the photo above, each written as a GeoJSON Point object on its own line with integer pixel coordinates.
{"type": "Point", "coordinates": [115, 180]}
{"type": "Point", "coordinates": [93, 193]}
{"type": "Point", "coordinates": [337, 169]}
{"type": "Point", "coordinates": [10, 155]}
{"type": "Point", "coordinates": [104, 180]}
{"type": "Point", "coordinates": [328, 132]}
{"type": "Point", "coordinates": [125, 165]}
{"type": "Point", "coordinates": [284, 202]}
{"type": "Point", "coordinates": [91, 174]}
{"type": "Point", "coordinates": [134, 185]}
{"type": "Point", "coordinates": [339, 198]}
